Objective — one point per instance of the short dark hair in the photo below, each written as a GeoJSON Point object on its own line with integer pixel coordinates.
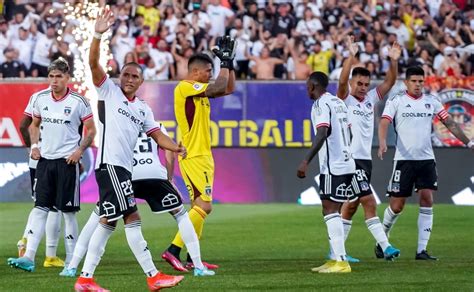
{"type": "Point", "coordinates": [134, 64]}
{"type": "Point", "coordinates": [414, 71]}
{"type": "Point", "coordinates": [199, 58]}
{"type": "Point", "coordinates": [319, 78]}
{"type": "Point", "coordinates": [360, 71]}
{"type": "Point", "coordinates": [59, 64]}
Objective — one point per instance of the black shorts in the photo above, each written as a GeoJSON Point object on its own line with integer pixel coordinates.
{"type": "Point", "coordinates": [115, 192]}
{"type": "Point", "coordinates": [57, 185]}
{"type": "Point", "coordinates": [32, 180]}
{"type": "Point", "coordinates": [362, 178]}
{"type": "Point", "coordinates": [160, 194]}
{"type": "Point", "coordinates": [337, 188]}
{"type": "Point", "coordinates": [408, 173]}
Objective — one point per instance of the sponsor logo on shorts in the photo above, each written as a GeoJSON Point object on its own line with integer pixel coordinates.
{"type": "Point", "coordinates": [395, 187]}
{"type": "Point", "coordinates": [131, 201]}
{"type": "Point", "coordinates": [364, 186]}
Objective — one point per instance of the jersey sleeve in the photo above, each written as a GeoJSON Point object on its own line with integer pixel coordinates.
{"type": "Point", "coordinates": [36, 109]}
{"type": "Point", "coordinates": [150, 125]}
{"type": "Point", "coordinates": [374, 95]}
{"type": "Point", "coordinates": [29, 107]}
{"type": "Point", "coordinates": [390, 109]}
{"type": "Point", "coordinates": [439, 110]}
{"type": "Point", "coordinates": [192, 89]}
{"type": "Point", "coordinates": [322, 115]}
{"type": "Point", "coordinates": [105, 89]}
{"type": "Point", "coordinates": [86, 111]}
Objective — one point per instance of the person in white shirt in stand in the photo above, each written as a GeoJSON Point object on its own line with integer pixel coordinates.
{"type": "Point", "coordinates": [164, 61]}
{"type": "Point", "coordinates": [41, 60]}
{"type": "Point", "coordinates": [121, 44]}
{"type": "Point", "coordinates": [412, 113]}
{"type": "Point", "coordinates": [219, 16]}
{"type": "Point", "coordinates": [25, 45]}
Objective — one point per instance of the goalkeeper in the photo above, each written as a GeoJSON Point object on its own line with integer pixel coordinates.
{"type": "Point", "coordinates": [192, 110]}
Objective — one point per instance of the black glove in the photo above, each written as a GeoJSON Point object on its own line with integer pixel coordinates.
{"type": "Point", "coordinates": [225, 51]}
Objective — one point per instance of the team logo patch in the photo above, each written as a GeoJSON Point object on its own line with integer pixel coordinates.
{"type": "Point", "coordinates": [131, 201]}
{"type": "Point", "coordinates": [208, 190]}
{"type": "Point", "coordinates": [142, 112]}
{"type": "Point", "coordinates": [427, 105]}
{"type": "Point", "coordinates": [109, 208]}
{"type": "Point", "coordinates": [395, 187]}
{"type": "Point", "coordinates": [368, 105]}
{"type": "Point", "coordinates": [197, 86]}
{"type": "Point", "coordinates": [169, 200]}
{"type": "Point", "coordinates": [67, 110]}
{"type": "Point", "coordinates": [364, 186]}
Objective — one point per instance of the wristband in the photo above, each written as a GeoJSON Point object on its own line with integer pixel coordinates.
{"type": "Point", "coordinates": [35, 145]}
{"type": "Point", "coordinates": [470, 144]}
{"type": "Point", "coordinates": [98, 35]}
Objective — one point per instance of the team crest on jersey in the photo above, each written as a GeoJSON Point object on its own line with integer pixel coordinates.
{"type": "Point", "coordinates": [131, 201]}
{"type": "Point", "coordinates": [368, 105]}
{"type": "Point", "coordinates": [395, 187]}
{"type": "Point", "coordinates": [142, 112]}
{"type": "Point", "coordinates": [197, 86]}
{"type": "Point", "coordinates": [208, 190]}
{"type": "Point", "coordinates": [67, 111]}
{"type": "Point", "coordinates": [427, 105]}
{"type": "Point", "coordinates": [364, 186]}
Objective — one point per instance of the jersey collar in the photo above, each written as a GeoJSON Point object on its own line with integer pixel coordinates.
{"type": "Point", "coordinates": [63, 97]}
{"type": "Point", "coordinates": [414, 96]}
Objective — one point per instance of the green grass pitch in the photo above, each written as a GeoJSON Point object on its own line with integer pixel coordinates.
{"type": "Point", "coordinates": [266, 247]}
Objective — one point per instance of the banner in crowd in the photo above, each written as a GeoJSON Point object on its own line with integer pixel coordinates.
{"type": "Point", "coordinates": [257, 114]}
{"type": "Point", "coordinates": [258, 175]}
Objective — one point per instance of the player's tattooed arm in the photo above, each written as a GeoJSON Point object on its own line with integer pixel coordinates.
{"type": "Point", "coordinates": [75, 157]}
{"type": "Point", "coordinates": [218, 88]}
{"type": "Point", "coordinates": [24, 129]}
{"type": "Point", "coordinates": [454, 128]}
{"type": "Point", "coordinates": [321, 136]}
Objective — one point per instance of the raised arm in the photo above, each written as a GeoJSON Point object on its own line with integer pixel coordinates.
{"type": "Point", "coordinates": [343, 86]}
{"type": "Point", "coordinates": [104, 21]}
{"type": "Point", "coordinates": [394, 54]}
{"type": "Point", "coordinates": [321, 136]}
{"type": "Point", "coordinates": [225, 51]}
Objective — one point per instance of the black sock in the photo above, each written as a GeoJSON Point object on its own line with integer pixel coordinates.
{"type": "Point", "coordinates": [174, 250]}
{"type": "Point", "coordinates": [188, 259]}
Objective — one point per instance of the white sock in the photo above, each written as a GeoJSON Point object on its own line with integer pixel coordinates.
{"type": "Point", "coordinates": [189, 236]}
{"type": "Point", "coordinates": [28, 223]}
{"type": "Point", "coordinates": [96, 249]}
{"type": "Point", "coordinates": [37, 225]}
{"type": "Point", "coordinates": [53, 231]}
{"type": "Point", "coordinates": [336, 235]}
{"type": "Point", "coordinates": [84, 238]}
{"type": "Point", "coordinates": [139, 247]}
{"type": "Point", "coordinates": [389, 219]}
{"type": "Point", "coordinates": [347, 224]}
{"type": "Point", "coordinates": [376, 228]}
{"type": "Point", "coordinates": [425, 224]}
{"type": "Point", "coordinates": [71, 232]}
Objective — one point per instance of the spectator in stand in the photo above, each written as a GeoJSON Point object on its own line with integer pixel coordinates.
{"type": "Point", "coordinates": [150, 14]}
{"type": "Point", "coordinates": [398, 28]}
{"type": "Point", "coordinates": [309, 25]}
{"type": "Point", "coordinates": [220, 17]}
{"type": "Point", "coordinates": [450, 65]}
{"type": "Point", "coordinates": [243, 44]}
{"type": "Point", "coordinates": [136, 26]}
{"type": "Point", "coordinates": [121, 44]}
{"type": "Point", "coordinates": [199, 22]}
{"type": "Point", "coordinates": [163, 62]}
{"type": "Point", "coordinates": [369, 54]}
{"type": "Point", "coordinates": [319, 60]}
{"type": "Point", "coordinates": [181, 60]}
{"type": "Point", "coordinates": [11, 68]}
{"type": "Point", "coordinates": [264, 65]}
{"type": "Point", "coordinates": [297, 67]}
{"type": "Point", "coordinates": [263, 21]}
{"type": "Point", "coordinates": [5, 37]}
{"type": "Point", "coordinates": [61, 49]}
{"type": "Point", "coordinates": [24, 45]}
{"type": "Point", "coordinates": [169, 18]}
{"type": "Point", "coordinates": [130, 57]}
{"type": "Point", "coordinates": [283, 21]}
{"type": "Point", "coordinates": [15, 24]}
{"type": "Point", "coordinates": [41, 53]}
{"type": "Point", "coordinates": [331, 13]}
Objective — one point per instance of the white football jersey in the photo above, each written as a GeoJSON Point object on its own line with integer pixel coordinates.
{"type": "Point", "coordinates": [361, 118]}
{"type": "Point", "coordinates": [146, 162]}
{"type": "Point", "coordinates": [29, 112]}
{"type": "Point", "coordinates": [61, 122]}
{"type": "Point", "coordinates": [120, 122]}
{"type": "Point", "coordinates": [412, 118]}
{"type": "Point", "coordinates": [334, 157]}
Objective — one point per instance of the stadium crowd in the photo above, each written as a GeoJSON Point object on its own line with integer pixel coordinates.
{"type": "Point", "coordinates": [276, 39]}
